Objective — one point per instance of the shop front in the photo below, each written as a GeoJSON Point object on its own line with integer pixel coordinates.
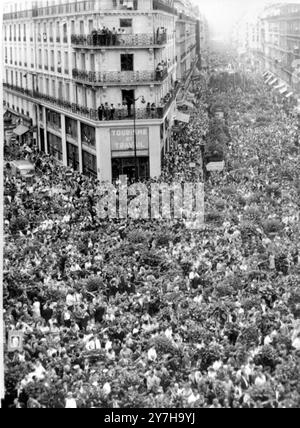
{"type": "Point", "coordinates": [125, 157]}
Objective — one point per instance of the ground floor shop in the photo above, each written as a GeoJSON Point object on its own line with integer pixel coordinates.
{"type": "Point", "coordinates": [108, 150]}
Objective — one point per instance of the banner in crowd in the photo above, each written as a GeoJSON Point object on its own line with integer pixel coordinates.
{"type": "Point", "coordinates": [15, 341]}
{"type": "Point", "coordinates": [215, 166]}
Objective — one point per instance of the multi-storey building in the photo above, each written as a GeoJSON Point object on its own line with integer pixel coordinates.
{"type": "Point", "coordinates": [272, 42]}
{"type": "Point", "coordinates": [90, 72]}
{"type": "Point", "coordinates": [281, 43]}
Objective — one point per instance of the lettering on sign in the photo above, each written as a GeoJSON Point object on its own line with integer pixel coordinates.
{"type": "Point", "coordinates": [123, 139]}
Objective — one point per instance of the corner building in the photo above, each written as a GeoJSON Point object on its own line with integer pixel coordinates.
{"type": "Point", "coordinates": [83, 88]}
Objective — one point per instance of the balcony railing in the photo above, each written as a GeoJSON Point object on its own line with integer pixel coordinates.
{"type": "Point", "coordinates": [92, 114]}
{"type": "Point", "coordinates": [113, 77]}
{"type": "Point", "coordinates": [132, 40]}
{"type": "Point", "coordinates": [91, 6]}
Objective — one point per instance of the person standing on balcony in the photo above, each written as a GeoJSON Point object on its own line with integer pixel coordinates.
{"type": "Point", "coordinates": [159, 71]}
{"type": "Point", "coordinates": [94, 37]}
{"type": "Point", "coordinates": [106, 111]}
{"type": "Point", "coordinates": [100, 112]}
{"type": "Point", "coordinates": [114, 36]}
{"type": "Point", "coordinates": [101, 37]}
{"type": "Point", "coordinates": [153, 110]}
{"type": "Point", "coordinates": [112, 112]}
{"type": "Point", "coordinates": [148, 109]}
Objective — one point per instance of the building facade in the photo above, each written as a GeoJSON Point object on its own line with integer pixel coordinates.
{"type": "Point", "coordinates": [90, 72]}
{"type": "Point", "coordinates": [281, 43]}
{"type": "Point", "coordinates": [271, 42]}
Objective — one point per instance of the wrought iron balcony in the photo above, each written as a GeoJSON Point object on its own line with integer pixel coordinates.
{"type": "Point", "coordinates": [92, 114]}
{"type": "Point", "coordinates": [118, 77]}
{"type": "Point", "coordinates": [116, 41]}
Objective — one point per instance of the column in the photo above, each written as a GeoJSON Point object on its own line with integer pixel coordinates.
{"type": "Point", "coordinates": [45, 130]}
{"type": "Point", "coordinates": [63, 139]}
{"type": "Point", "coordinates": [79, 146]}
{"type": "Point", "coordinates": [154, 151]}
{"type": "Point", "coordinates": [103, 154]}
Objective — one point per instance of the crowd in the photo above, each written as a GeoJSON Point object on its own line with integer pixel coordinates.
{"type": "Point", "coordinates": [149, 313]}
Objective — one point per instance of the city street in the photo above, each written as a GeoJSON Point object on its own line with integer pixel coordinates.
{"type": "Point", "coordinates": [141, 310]}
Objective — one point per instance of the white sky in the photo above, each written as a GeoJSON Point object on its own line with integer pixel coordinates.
{"type": "Point", "coordinates": [222, 14]}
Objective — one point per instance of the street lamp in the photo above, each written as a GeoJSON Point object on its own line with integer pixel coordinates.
{"type": "Point", "coordinates": [134, 133]}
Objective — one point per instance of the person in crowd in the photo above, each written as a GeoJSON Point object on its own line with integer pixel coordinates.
{"type": "Point", "coordinates": [145, 313]}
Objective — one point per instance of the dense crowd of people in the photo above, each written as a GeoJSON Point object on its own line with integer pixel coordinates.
{"type": "Point", "coordinates": [151, 314]}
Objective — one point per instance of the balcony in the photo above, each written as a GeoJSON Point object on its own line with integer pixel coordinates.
{"type": "Point", "coordinates": [92, 114]}
{"type": "Point", "coordinates": [96, 78]}
{"type": "Point", "coordinates": [101, 41]}
{"type": "Point", "coordinates": [84, 6]}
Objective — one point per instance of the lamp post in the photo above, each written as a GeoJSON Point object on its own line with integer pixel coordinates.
{"type": "Point", "coordinates": [134, 134]}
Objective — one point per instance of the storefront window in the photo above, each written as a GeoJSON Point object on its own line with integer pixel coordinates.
{"type": "Point", "coordinates": [73, 156]}
{"type": "Point", "coordinates": [71, 128]}
{"type": "Point", "coordinates": [54, 119]}
{"type": "Point", "coordinates": [89, 164]}
{"type": "Point", "coordinates": [55, 146]}
{"type": "Point", "coordinates": [88, 135]}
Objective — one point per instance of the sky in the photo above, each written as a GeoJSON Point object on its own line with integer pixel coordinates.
{"type": "Point", "coordinates": [223, 14]}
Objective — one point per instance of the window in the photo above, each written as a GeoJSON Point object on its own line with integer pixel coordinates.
{"type": "Point", "coordinates": [51, 32]}
{"type": "Point", "coordinates": [71, 128]}
{"type": "Point", "coordinates": [126, 24]}
{"type": "Point", "coordinates": [53, 119]}
{"type": "Point", "coordinates": [46, 60]}
{"type": "Point", "coordinates": [41, 113]}
{"type": "Point", "coordinates": [65, 33]}
{"type": "Point", "coordinates": [127, 62]}
{"type": "Point", "coordinates": [52, 60]}
{"type": "Point", "coordinates": [59, 61]}
{"type": "Point", "coordinates": [57, 32]}
{"type": "Point", "coordinates": [91, 25]}
{"type": "Point", "coordinates": [47, 87]}
{"type": "Point", "coordinates": [67, 86]}
{"type": "Point", "coordinates": [92, 62]}
{"type": "Point", "coordinates": [88, 135]}
{"type": "Point", "coordinates": [66, 63]}
{"type": "Point", "coordinates": [89, 164]}
{"type": "Point", "coordinates": [72, 27]}
{"type": "Point", "coordinates": [74, 62]}
{"type": "Point", "coordinates": [81, 27]}
{"type": "Point", "coordinates": [40, 58]}
{"type": "Point", "coordinates": [73, 156]}
{"type": "Point", "coordinates": [24, 32]}
{"type": "Point", "coordinates": [54, 146]}
{"type": "Point", "coordinates": [60, 91]}
{"type": "Point", "coordinates": [83, 61]}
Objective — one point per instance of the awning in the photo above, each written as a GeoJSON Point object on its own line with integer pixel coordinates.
{"type": "Point", "coordinates": [185, 104]}
{"type": "Point", "coordinates": [269, 78]}
{"type": "Point", "coordinates": [289, 94]}
{"type": "Point", "coordinates": [273, 81]}
{"type": "Point", "coordinates": [181, 117]}
{"type": "Point", "coordinates": [21, 130]}
{"type": "Point", "coordinates": [283, 90]}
